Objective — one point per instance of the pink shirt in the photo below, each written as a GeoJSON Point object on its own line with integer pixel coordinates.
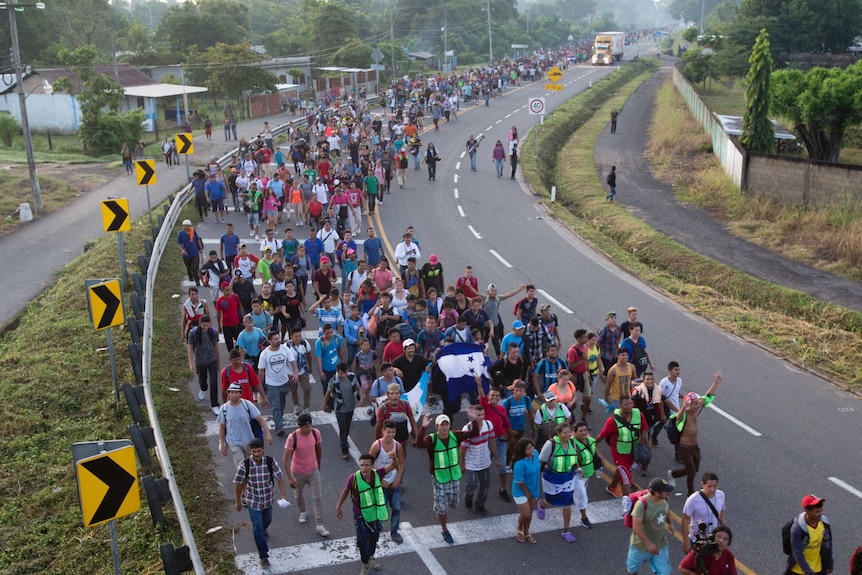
{"type": "Point", "coordinates": [354, 195]}
{"type": "Point", "coordinates": [304, 456]}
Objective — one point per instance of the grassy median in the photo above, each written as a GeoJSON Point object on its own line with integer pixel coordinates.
{"type": "Point", "coordinates": [57, 390]}
{"type": "Point", "coordinates": [811, 333]}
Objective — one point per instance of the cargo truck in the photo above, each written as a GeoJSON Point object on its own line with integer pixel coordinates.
{"type": "Point", "coordinates": [608, 48]}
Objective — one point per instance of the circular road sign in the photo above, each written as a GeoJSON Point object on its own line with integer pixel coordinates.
{"type": "Point", "coordinates": [537, 106]}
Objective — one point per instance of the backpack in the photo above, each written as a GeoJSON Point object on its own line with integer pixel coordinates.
{"type": "Point", "coordinates": [197, 338]}
{"type": "Point", "coordinates": [269, 464]}
{"type": "Point", "coordinates": [403, 163]}
{"type": "Point", "coordinates": [856, 562]}
{"type": "Point", "coordinates": [608, 179]}
{"type": "Point", "coordinates": [785, 537]}
{"type": "Point", "coordinates": [628, 503]}
{"type": "Point", "coordinates": [673, 433]}
{"type": "Point", "coordinates": [256, 428]}
{"type": "Point", "coordinates": [339, 399]}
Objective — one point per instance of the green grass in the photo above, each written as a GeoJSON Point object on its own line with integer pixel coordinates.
{"type": "Point", "coordinates": [59, 392]}
{"type": "Point", "coordinates": [808, 332]}
{"type": "Point", "coordinates": [15, 190]}
{"type": "Point", "coordinates": [725, 96]}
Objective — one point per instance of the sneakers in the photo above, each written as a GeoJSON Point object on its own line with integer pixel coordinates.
{"type": "Point", "coordinates": [373, 564]}
{"type": "Point", "coordinates": [215, 410]}
{"type": "Point", "coordinates": [568, 536]}
{"type": "Point", "coordinates": [586, 523]}
{"type": "Point", "coordinates": [322, 531]}
{"type": "Point", "coordinates": [481, 510]}
{"type": "Point", "coordinates": [540, 511]}
{"type": "Point", "coordinates": [264, 562]}
{"type": "Point", "coordinates": [280, 432]}
{"type": "Point", "coordinates": [447, 537]}
{"type": "Point", "coordinates": [364, 570]}
{"type": "Point", "coordinates": [397, 537]}
{"type": "Point", "coordinates": [655, 442]}
{"type": "Point", "coordinates": [303, 516]}
{"type": "Point", "coordinates": [612, 492]}
{"type": "Point", "coordinates": [297, 410]}
{"type": "Point", "coordinates": [671, 480]}
{"type": "Point", "coordinates": [505, 496]}
{"type": "Point", "coordinates": [468, 503]}
{"type": "Point", "coordinates": [202, 395]}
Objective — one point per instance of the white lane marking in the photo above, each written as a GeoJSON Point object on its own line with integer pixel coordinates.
{"type": "Point", "coordinates": [497, 122]}
{"type": "Point", "coordinates": [475, 233]}
{"type": "Point", "coordinates": [456, 193]}
{"type": "Point", "coordinates": [846, 486]}
{"type": "Point", "coordinates": [554, 301]}
{"type": "Point", "coordinates": [489, 128]}
{"type": "Point", "coordinates": [461, 211]}
{"type": "Point", "coordinates": [732, 419]}
{"type": "Point", "coordinates": [457, 165]}
{"type": "Point", "coordinates": [464, 153]}
{"type": "Point", "coordinates": [508, 115]}
{"type": "Point", "coordinates": [422, 550]}
{"type": "Point", "coordinates": [456, 178]}
{"type": "Point", "coordinates": [420, 540]}
{"type": "Point", "coordinates": [501, 258]}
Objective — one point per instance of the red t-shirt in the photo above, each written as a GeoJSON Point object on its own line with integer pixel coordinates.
{"type": "Point", "coordinates": [469, 285]}
{"type": "Point", "coordinates": [577, 361]}
{"type": "Point", "coordinates": [724, 564]}
{"type": "Point", "coordinates": [392, 350]}
{"type": "Point", "coordinates": [610, 430]}
{"type": "Point", "coordinates": [496, 415]}
{"type": "Point", "coordinates": [247, 378]}
{"type": "Point", "coordinates": [231, 310]}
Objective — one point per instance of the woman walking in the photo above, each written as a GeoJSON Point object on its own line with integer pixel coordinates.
{"type": "Point", "coordinates": [270, 208]}
{"type": "Point", "coordinates": [499, 156]}
{"type": "Point", "coordinates": [525, 487]}
{"type": "Point", "coordinates": [513, 159]}
{"type": "Point", "coordinates": [431, 159]}
{"type": "Point", "coordinates": [126, 153]}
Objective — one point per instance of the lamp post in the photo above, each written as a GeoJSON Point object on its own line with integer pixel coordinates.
{"type": "Point", "coordinates": [490, 42]}
{"type": "Point", "coordinates": [13, 6]}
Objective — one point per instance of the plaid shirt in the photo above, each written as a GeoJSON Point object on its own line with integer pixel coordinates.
{"type": "Point", "coordinates": [260, 490]}
{"type": "Point", "coordinates": [609, 341]}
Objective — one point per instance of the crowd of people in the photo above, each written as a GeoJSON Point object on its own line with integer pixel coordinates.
{"type": "Point", "coordinates": [529, 423]}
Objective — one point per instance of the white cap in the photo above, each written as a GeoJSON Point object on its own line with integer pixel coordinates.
{"type": "Point", "coordinates": [442, 418]}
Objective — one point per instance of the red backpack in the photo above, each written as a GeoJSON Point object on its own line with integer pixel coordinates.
{"type": "Point", "coordinates": [628, 503]}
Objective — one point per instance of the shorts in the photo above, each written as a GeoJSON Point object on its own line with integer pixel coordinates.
{"type": "Point", "coordinates": [271, 213]}
{"type": "Point", "coordinates": [253, 219]}
{"type": "Point", "coordinates": [660, 564]}
{"type": "Point", "coordinates": [518, 499]}
{"type": "Point", "coordinates": [446, 494]}
{"type": "Point", "coordinates": [587, 390]}
{"type": "Point", "coordinates": [624, 468]}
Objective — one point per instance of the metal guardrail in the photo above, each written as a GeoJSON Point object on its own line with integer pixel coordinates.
{"type": "Point", "coordinates": [162, 241]}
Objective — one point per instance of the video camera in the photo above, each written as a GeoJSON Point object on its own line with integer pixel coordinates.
{"type": "Point", "coordinates": [704, 544]}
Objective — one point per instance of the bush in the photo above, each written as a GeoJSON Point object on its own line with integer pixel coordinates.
{"type": "Point", "coordinates": [8, 127]}
{"type": "Point", "coordinates": [111, 130]}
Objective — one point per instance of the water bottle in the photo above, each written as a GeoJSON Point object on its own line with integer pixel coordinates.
{"type": "Point", "coordinates": [603, 403]}
{"type": "Point", "coordinates": [634, 466]}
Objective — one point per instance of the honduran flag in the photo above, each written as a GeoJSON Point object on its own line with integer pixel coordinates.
{"type": "Point", "coordinates": [460, 363]}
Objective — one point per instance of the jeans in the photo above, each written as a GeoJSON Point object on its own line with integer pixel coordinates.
{"type": "Point", "coordinates": [209, 372]}
{"type": "Point", "coordinates": [393, 500]}
{"type": "Point", "coordinates": [499, 165]}
{"type": "Point", "coordinates": [344, 420]}
{"type": "Point", "coordinates": [277, 396]}
{"type": "Point", "coordinates": [482, 479]}
{"type": "Point", "coordinates": [326, 376]}
{"type": "Point", "coordinates": [366, 538]}
{"type": "Point", "coordinates": [260, 520]}
{"type": "Point", "coordinates": [473, 161]}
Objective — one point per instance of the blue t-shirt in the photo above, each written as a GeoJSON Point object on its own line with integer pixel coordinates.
{"type": "Point", "coordinates": [277, 187]}
{"type": "Point", "coordinates": [526, 471]}
{"type": "Point", "coordinates": [516, 410]}
{"type": "Point", "coordinates": [328, 354]}
{"type": "Point", "coordinates": [372, 251]}
{"type": "Point", "coordinates": [231, 245]}
{"type": "Point", "coordinates": [248, 341]}
{"type": "Point", "coordinates": [511, 337]}
{"type": "Point", "coordinates": [216, 189]}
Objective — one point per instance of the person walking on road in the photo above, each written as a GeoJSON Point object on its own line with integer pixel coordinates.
{"type": "Point", "coordinates": [499, 156]}
{"type": "Point", "coordinates": [810, 540]}
{"type": "Point", "coordinates": [382, 450]}
{"type": "Point", "coordinates": [365, 489]}
{"type": "Point", "coordinates": [651, 522]}
{"type": "Point", "coordinates": [686, 422]}
{"type": "Point", "coordinates": [302, 455]}
{"type": "Point", "coordinates": [611, 181]}
{"type": "Point", "coordinates": [513, 159]}
{"type": "Point", "coordinates": [472, 148]}
{"type": "Point", "coordinates": [254, 481]}
{"type": "Point", "coordinates": [614, 116]}
{"type": "Point", "coordinates": [234, 419]}
{"type": "Point", "coordinates": [191, 245]}
{"type": "Point", "coordinates": [203, 354]}
{"type": "Point", "coordinates": [707, 506]}
{"type": "Point", "coordinates": [431, 159]}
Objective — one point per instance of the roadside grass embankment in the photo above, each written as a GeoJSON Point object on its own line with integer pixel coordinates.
{"type": "Point", "coordinates": [811, 333]}
{"type": "Point", "coordinates": [57, 391]}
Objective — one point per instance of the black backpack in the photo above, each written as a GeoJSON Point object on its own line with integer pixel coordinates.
{"type": "Point", "coordinates": [673, 433]}
{"type": "Point", "coordinates": [270, 463]}
{"type": "Point", "coordinates": [785, 537]}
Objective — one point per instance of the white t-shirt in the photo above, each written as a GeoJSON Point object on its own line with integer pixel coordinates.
{"type": "Point", "coordinates": [322, 193]}
{"type": "Point", "coordinates": [478, 454]}
{"type": "Point", "coordinates": [329, 239]}
{"type": "Point", "coordinates": [277, 364]}
{"type": "Point", "coordinates": [696, 508]}
{"type": "Point", "coordinates": [671, 390]}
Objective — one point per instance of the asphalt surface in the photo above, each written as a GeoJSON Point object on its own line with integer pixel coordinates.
{"type": "Point", "coordinates": [765, 441]}
{"type": "Point", "coordinates": [654, 202]}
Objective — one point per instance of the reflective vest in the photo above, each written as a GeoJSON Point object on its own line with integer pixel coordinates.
{"type": "Point", "coordinates": [559, 416]}
{"type": "Point", "coordinates": [371, 501]}
{"type": "Point", "coordinates": [563, 460]}
{"type": "Point", "coordinates": [446, 461]}
{"type": "Point", "coordinates": [625, 438]}
{"type": "Point", "coordinates": [587, 456]}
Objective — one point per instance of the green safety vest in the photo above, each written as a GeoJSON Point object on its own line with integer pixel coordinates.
{"type": "Point", "coordinates": [587, 456]}
{"type": "Point", "coordinates": [625, 438]}
{"type": "Point", "coordinates": [372, 504]}
{"type": "Point", "coordinates": [563, 460]}
{"type": "Point", "coordinates": [559, 416]}
{"type": "Point", "coordinates": [446, 460]}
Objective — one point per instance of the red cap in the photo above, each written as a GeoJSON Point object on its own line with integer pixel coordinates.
{"type": "Point", "coordinates": [433, 259]}
{"type": "Point", "coordinates": [811, 501]}
{"type": "Point", "coordinates": [324, 260]}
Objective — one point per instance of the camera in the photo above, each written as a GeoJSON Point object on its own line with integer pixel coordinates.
{"type": "Point", "coordinates": [704, 544]}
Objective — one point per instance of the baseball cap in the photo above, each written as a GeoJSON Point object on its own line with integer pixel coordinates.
{"type": "Point", "coordinates": [407, 343]}
{"type": "Point", "coordinates": [243, 245]}
{"type": "Point", "coordinates": [234, 387]}
{"type": "Point", "coordinates": [187, 222]}
{"type": "Point", "coordinates": [811, 501]}
{"type": "Point", "coordinates": [545, 306]}
{"type": "Point", "coordinates": [631, 308]}
{"type": "Point", "coordinates": [237, 272]}
{"type": "Point", "coordinates": [442, 418]}
{"type": "Point", "coordinates": [691, 397]}
{"type": "Point", "coordinates": [324, 260]}
{"type": "Point", "coordinates": [549, 396]}
{"type": "Point", "coordinates": [267, 249]}
{"type": "Point", "coordinates": [351, 251]}
{"type": "Point", "coordinates": [659, 485]}
{"type": "Point", "coordinates": [518, 324]}
{"type": "Point", "coordinates": [432, 259]}
{"type": "Point", "coordinates": [491, 286]}
{"type": "Point", "coordinates": [610, 314]}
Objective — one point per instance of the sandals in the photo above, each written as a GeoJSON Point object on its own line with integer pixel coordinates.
{"type": "Point", "coordinates": [540, 511]}
{"type": "Point", "coordinates": [530, 538]}
{"type": "Point", "coordinates": [519, 536]}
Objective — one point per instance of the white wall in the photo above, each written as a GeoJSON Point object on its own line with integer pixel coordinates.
{"type": "Point", "coordinates": [59, 113]}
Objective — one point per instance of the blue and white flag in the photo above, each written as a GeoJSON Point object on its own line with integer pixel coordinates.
{"type": "Point", "coordinates": [417, 396]}
{"type": "Point", "coordinates": [460, 363]}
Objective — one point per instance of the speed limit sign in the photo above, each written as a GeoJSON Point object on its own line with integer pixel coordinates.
{"type": "Point", "coordinates": [537, 106]}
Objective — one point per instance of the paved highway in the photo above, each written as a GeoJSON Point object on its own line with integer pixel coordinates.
{"type": "Point", "coordinates": [766, 440]}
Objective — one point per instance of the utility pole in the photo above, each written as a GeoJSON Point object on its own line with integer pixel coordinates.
{"type": "Point", "coordinates": [11, 7]}
{"type": "Point", "coordinates": [490, 43]}
{"type": "Point", "coordinates": [445, 37]}
{"type": "Point", "coordinates": [392, 38]}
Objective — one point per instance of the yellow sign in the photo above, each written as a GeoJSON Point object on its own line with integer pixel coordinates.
{"type": "Point", "coordinates": [106, 304]}
{"type": "Point", "coordinates": [145, 172]}
{"type": "Point", "coordinates": [185, 144]}
{"type": "Point", "coordinates": [115, 215]}
{"type": "Point", "coordinates": [553, 87]}
{"type": "Point", "coordinates": [554, 74]}
{"type": "Point", "coordinates": [108, 486]}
